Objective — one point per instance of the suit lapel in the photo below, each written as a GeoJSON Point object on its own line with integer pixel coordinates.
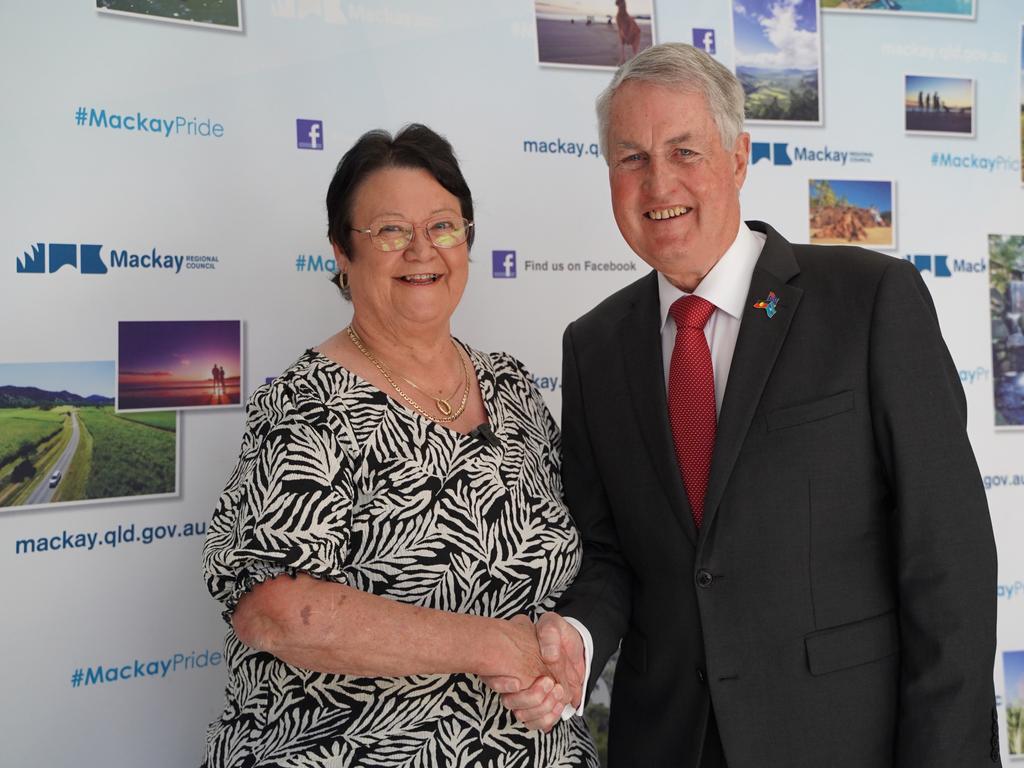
{"type": "Point", "coordinates": [640, 340]}
{"type": "Point", "coordinates": [757, 346]}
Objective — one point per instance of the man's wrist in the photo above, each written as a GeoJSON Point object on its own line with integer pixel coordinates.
{"type": "Point", "coordinates": [588, 656]}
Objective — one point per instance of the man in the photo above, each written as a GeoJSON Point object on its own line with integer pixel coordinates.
{"type": "Point", "coordinates": [765, 452]}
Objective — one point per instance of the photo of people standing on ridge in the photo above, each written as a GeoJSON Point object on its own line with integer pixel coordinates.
{"type": "Point", "coordinates": [943, 105]}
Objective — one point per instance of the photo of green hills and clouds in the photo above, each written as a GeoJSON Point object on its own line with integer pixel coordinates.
{"type": "Point", "coordinates": [778, 59]}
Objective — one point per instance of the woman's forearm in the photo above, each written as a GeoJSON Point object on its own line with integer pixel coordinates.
{"type": "Point", "coordinates": [328, 627]}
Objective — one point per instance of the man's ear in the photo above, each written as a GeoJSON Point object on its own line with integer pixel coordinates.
{"type": "Point", "coordinates": [741, 157]}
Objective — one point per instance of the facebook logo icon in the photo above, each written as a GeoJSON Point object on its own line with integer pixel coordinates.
{"type": "Point", "coordinates": [503, 263]}
{"type": "Point", "coordinates": [309, 133]}
{"type": "Point", "coordinates": [704, 39]}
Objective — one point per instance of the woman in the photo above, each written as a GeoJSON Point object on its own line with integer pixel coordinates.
{"type": "Point", "coordinates": [396, 503]}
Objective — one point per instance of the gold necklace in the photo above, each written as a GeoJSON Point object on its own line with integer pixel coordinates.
{"type": "Point", "coordinates": [442, 404]}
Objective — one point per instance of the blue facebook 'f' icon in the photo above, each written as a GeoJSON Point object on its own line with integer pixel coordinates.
{"type": "Point", "coordinates": [704, 39]}
{"type": "Point", "coordinates": [503, 263]}
{"type": "Point", "coordinates": [309, 134]}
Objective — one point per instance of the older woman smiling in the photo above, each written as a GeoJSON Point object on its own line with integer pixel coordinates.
{"type": "Point", "coordinates": [395, 520]}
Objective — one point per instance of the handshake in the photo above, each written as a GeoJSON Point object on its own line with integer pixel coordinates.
{"type": "Point", "coordinates": [543, 667]}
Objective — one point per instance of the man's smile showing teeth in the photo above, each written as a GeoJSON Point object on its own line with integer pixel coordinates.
{"type": "Point", "coordinates": [667, 213]}
{"type": "Point", "coordinates": [422, 279]}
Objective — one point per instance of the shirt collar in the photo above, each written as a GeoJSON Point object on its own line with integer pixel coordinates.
{"type": "Point", "coordinates": [728, 282]}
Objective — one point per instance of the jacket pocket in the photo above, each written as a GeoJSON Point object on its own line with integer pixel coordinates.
{"type": "Point", "coordinates": [634, 650]}
{"type": "Point", "coordinates": [851, 645]}
{"type": "Point", "coordinates": [813, 411]}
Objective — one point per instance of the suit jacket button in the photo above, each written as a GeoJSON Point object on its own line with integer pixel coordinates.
{"type": "Point", "coordinates": [702, 677]}
{"type": "Point", "coordinates": [704, 579]}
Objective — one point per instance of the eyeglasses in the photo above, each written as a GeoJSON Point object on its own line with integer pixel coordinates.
{"type": "Point", "coordinates": [396, 234]}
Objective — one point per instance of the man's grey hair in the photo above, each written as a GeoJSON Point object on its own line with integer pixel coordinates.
{"type": "Point", "coordinates": [680, 66]}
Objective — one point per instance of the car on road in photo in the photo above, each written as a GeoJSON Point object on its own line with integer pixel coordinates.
{"type": "Point", "coordinates": [54, 479]}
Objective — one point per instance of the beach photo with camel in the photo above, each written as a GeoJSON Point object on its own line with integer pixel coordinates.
{"type": "Point", "coordinates": [592, 33]}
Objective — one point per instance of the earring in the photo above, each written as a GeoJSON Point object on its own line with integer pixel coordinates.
{"type": "Point", "coordinates": [344, 280]}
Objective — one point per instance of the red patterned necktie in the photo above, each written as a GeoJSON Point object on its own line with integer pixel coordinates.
{"type": "Point", "coordinates": [691, 398]}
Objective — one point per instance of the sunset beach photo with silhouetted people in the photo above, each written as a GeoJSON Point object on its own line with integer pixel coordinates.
{"type": "Point", "coordinates": [178, 364]}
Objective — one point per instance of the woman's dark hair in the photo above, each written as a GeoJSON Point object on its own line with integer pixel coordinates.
{"type": "Point", "coordinates": [414, 146]}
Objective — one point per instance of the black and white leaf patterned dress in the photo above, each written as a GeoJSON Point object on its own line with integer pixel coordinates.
{"type": "Point", "coordinates": [338, 480]}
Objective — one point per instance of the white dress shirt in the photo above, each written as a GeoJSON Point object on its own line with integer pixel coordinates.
{"type": "Point", "coordinates": [725, 286]}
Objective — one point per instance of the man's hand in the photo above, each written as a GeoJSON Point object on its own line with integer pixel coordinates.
{"type": "Point", "coordinates": [540, 706]}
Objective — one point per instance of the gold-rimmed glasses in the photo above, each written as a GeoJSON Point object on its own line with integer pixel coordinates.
{"type": "Point", "coordinates": [444, 231]}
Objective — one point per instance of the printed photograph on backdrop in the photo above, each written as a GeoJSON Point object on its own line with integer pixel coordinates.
{"type": "Point", "coordinates": [1013, 695]}
{"type": "Point", "coordinates": [778, 59]}
{"type": "Point", "coordinates": [178, 364]}
{"type": "Point", "coordinates": [938, 104]}
{"type": "Point", "coordinates": [598, 34]}
{"type": "Point", "coordinates": [1006, 292]}
{"type": "Point", "coordinates": [957, 8]}
{"type": "Point", "coordinates": [221, 14]}
{"type": "Point", "coordinates": [852, 212]}
{"type": "Point", "coordinates": [62, 442]}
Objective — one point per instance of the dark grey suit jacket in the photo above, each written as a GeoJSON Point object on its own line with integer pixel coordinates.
{"type": "Point", "coordinates": [838, 606]}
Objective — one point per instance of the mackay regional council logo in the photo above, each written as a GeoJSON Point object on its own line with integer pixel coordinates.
{"type": "Point", "coordinates": [780, 153]}
{"type": "Point", "coordinates": [87, 258]}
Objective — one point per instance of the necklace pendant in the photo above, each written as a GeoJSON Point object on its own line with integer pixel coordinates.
{"type": "Point", "coordinates": [444, 407]}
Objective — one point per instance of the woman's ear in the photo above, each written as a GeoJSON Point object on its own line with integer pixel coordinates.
{"type": "Point", "coordinates": [340, 259]}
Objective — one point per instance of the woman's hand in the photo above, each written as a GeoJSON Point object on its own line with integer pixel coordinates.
{"type": "Point", "coordinates": [555, 682]}
{"type": "Point", "coordinates": [522, 662]}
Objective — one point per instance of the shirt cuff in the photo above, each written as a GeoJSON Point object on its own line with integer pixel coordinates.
{"type": "Point", "coordinates": [588, 656]}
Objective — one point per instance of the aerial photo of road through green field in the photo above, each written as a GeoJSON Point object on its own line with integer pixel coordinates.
{"type": "Point", "coordinates": [61, 441]}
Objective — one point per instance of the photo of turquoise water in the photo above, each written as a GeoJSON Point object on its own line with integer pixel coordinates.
{"type": "Point", "coordinates": [963, 8]}
{"type": "Point", "coordinates": [958, 7]}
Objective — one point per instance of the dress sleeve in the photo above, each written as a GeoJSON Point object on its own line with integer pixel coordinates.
{"type": "Point", "coordinates": [287, 505]}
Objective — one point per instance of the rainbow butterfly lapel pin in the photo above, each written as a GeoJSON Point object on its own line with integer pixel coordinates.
{"type": "Point", "coordinates": [769, 304]}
